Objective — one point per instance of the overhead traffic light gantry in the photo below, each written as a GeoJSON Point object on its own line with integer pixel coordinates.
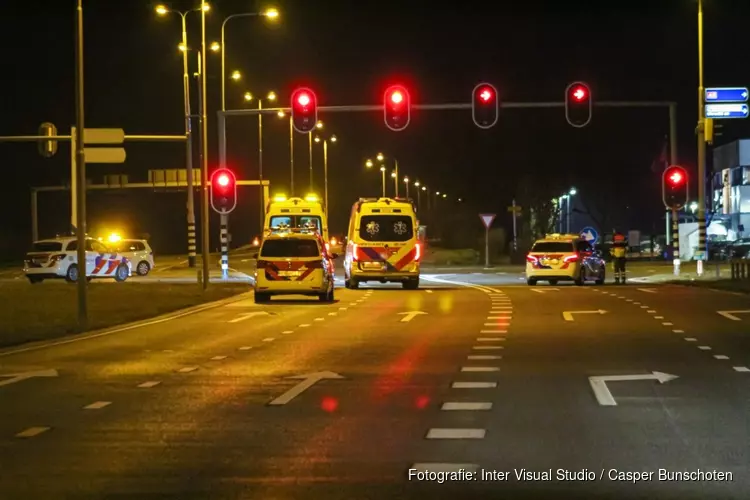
{"type": "Point", "coordinates": [674, 187]}
{"type": "Point", "coordinates": [396, 108]}
{"type": "Point", "coordinates": [304, 110]}
{"type": "Point", "coordinates": [223, 191]}
{"type": "Point", "coordinates": [578, 104]}
{"type": "Point", "coordinates": [485, 106]}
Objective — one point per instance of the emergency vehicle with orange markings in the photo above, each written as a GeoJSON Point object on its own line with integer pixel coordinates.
{"type": "Point", "coordinates": [564, 257]}
{"type": "Point", "coordinates": [296, 213]}
{"type": "Point", "coordinates": [58, 258]}
{"type": "Point", "coordinates": [294, 261]}
{"type": "Point", "coordinates": [383, 244]}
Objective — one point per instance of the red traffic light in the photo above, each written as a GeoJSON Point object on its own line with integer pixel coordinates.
{"type": "Point", "coordinates": [223, 193]}
{"type": "Point", "coordinates": [579, 93]}
{"type": "Point", "coordinates": [486, 94]}
{"type": "Point", "coordinates": [397, 97]}
{"type": "Point", "coordinates": [303, 99]}
{"type": "Point", "coordinates": [675, 177]}
{"type": "Point", "coordinates": [675, 187]}
{"type": "Point", "coordinates": [397, 108]}
{"type": "Point", "coordinates": [223, 180]}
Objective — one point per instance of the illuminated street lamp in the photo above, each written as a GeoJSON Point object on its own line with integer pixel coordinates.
{"type": "Point", "coordinates": [325, 167]}
{"type": "Point", "coordinates": [236, 75]}
{"type": "Point", "coordinates": [368, 164]}
{"type": "Point", "coordinates": [382, 172]}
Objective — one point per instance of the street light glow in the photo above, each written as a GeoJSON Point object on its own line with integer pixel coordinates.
{"type": "Point", "coordinates": [393, 174]}
{"type": "Point", "coordinates": [271, 13]}
{"type": "Point", "coordinates": [182, 47]}
{"type": "Point", "coordinates": [406, 180]}
{"type": "Point", "coordinates": [162, 10]}
{"type": "Point", "coordinates": [424, 188]}
{"type": "Point", "coordinates": [319, 125]}
{"type": "Point", "coordinates": [368, 164]}
{"type": "Point", "coordinates": [416, 183]}
{"type": "Point", "coordinates": [380, 157]}
{"type": "Point", "coordinates": [572, 191]}
{"type": "Point", "coordinates": [215, 46]}
{"type": "Point", "coordinates": [236, 75]}
{"type": "Point", "coordinates": [205, 7]}
{"type": "Point", "coordinates": [281, 114]}
{"type": "Point", "coordinates": [382, 169]}
{"type": "Point", "coordinates": [272, 96]}
{"type": "Point", "coordinates": [317, 139]}
{"type": "Point", "coordinates": [248, 96]}
{"type": "Point", "coordinates": [334, 138]}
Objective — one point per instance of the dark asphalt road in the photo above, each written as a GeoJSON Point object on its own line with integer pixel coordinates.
{"type": "Point", "coordinates": [491, 378]}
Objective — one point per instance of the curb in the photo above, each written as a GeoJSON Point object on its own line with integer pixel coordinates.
{"type": "Point", "coordinates": [78, 337]}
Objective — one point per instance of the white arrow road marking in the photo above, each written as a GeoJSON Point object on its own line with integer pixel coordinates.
{"type": "Point", "coordinates": [601, 391]}
{"type": "Point", "coordinates": [731, 314]}
{"type": "Point", "coordinates": [408, 316]}
{"type": "Point", "coordinates": [243, 317]}
{"type": "Point", "coordinates": [647, 290]}
{"type": "Point", "coordinates": [308, 381]}
{"type": "Point", "coordinates": [18, 377]}
{"type": "Point", "coordinates": [568, 315]}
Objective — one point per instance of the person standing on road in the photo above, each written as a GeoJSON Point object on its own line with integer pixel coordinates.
{"type": "Point", "coordinates": [619, 251]}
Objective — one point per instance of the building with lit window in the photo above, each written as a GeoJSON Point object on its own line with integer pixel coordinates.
{"type": "Point", "coordinates": [730, 192]}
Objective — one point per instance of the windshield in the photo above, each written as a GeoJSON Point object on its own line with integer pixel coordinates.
{"type": "Point", "coordinates": [46, 246]}
{"type": "Point", "coordinates": [386, 228]}
{"type": "Point", "coordinates": [553, 246]}
{"type": "Point", "coordinates": [290, 247]}
{"type": "Point", "coordinates": [297, 221]}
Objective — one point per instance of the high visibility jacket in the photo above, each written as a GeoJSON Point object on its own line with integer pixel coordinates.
{"type": "Point", "coordinates": [619, 246]}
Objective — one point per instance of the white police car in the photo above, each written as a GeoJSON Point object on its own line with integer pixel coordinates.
{"type": "Point", "coordinates": [564, 257]}
{"type": "Point", "coordinates": [57, 258]}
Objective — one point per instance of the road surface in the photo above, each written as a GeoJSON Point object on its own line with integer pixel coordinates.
{"type": "Point", "coordinates": [488, 379]}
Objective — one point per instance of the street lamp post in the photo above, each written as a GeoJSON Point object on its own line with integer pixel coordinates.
{"type": "Point", "coordinates": [394, 176]}
{"type": "Point", "coordinates": [419, 202]}
{"type": "Point", "coordinates": [204, 147]}
{"type": "Point", "coordinates": [382, 172]}
{"type": "Point", "coordinates": [325, 169]}
{"type": "Point", "coordinates": [406, 182]}
{"type": "Point", "coordinates": [291, 151]}
{"type": "Point", "coordinates": [569, 199]}
{"type": "Point", "coordinates": [319, 126]}
{"type": "Point", "coordinates": [701, 147]}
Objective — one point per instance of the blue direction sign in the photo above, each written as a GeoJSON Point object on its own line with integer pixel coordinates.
{"type": "Point", "coordinates": [590, 234]}
{"type": "Point", "coordinates": [727, 110]}
{"type": "Point", "coordinates": [726, 94]}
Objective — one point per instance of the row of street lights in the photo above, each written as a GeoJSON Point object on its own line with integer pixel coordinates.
{"type": "Point", "coordinates": [568, 199]}
{"type": "Point", "coordinates": [380, 157]}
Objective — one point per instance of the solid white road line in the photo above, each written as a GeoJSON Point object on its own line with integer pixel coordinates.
{"type": "Point", "coordinates": [444, 467]}
{"type": "Point", "coordinates": [268, 339]}
{"type": "Point", "coordinates": [473, 385]}
{"type": "Point", "coordinates": [218, 358]}
{"type": "Point", "coordinates": [460, 406]}
{"type": "Point", "coordinates": [482, 369]}
{"type": "Point", "coordinates": [741, 368]}
{"type": "Point", "coordinates": [150, 384]}
{"type": "Point", "coordinates": [245, 348]}
{"type": "Point", "coordinates": [98, 405]}
{"type": "Point", "coordinates": [704, 348]}
{"type": "Point", "coordinates": [187, 369]}
{"type": "Point", "coordinates": [720, 356]}
{"type": "Point", "coordinates": [32, 431]}
{"type": "Point", "coordinates": [487, 347]}
{"type": "Point", "coordinates": [483, 356]}
{"type": "Point", "coordinates": [456, 434]}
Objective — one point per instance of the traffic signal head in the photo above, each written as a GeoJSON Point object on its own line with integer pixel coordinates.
{"type": "Point", "coordinates": [484, 105]}
{"type": "Point", "coordinates": [48, 148]}
{"type": "Point", "coordinates": [223, 191]}
{"type": "Point", "coordinates": [578, 105]}
{"type": "Point", "coordinates": [304, 110]}
{"type": "Point", "coordinates": [675, 187]}
{"type": "Point", "coordinates": [397, 108]}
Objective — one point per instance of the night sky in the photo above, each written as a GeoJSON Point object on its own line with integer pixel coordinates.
{"type": "Point", "coordinates": [349, 52]}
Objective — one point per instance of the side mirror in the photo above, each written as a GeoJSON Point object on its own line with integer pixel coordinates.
{"type": "Point", "coordinates": [255, 256]}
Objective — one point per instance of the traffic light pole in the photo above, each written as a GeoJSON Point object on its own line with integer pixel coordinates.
{"type": "Point", "coordinates": [224, 236]}
{"type": "Point", "coordinates": [83, 317]}
{"type": "Point", "coordinates": [675, 242]}
{"type": "Point", "coordinates": [701, 132]}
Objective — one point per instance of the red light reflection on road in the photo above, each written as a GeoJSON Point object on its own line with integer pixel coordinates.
{"type": "Point", "coordinates": [329, 404]}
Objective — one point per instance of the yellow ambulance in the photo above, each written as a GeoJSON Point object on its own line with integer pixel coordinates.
{"type": "Point", "coordinates": [296, 213]}
{"type": "Point", "coordinates": [382, 243]}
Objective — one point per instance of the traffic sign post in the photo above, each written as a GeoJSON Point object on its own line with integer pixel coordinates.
{"type": "Point", "coordinates": [487, 221]}
{"type": "Point", "coordinates": [516, 211]}
{"type": "Point", "coordinates": [590, 234]}
{"type": "Point", "coordinates": [727, 110]}
{"type": "Point", "coordinates": [726, 94]}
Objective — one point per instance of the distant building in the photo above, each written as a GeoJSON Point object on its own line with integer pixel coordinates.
{"type": "Point", "coordinates": [730, 190]}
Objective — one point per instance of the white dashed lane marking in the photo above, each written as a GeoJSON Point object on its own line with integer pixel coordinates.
{"type": "Point", "coordinates": [483, 356]}
{"type": "Point", "coordinates": [490, 339]}
{"type": "Point", "coordinates": [97, 405]}
{"type": "Point", "coordinates": [332, 314]}
{"type": "Point", "coordinates": [487, 347]}
{"type": "Point", "coordinates": [245, 348]}
{"type": "Point", "coordinates": [187, 369]}
{"type": "Point", "coordinates": [218, 358]}
{"type": "Point", "coordinates": [456, 434]}
{"type": "Point", "coordinates": [494, 331]}
{"type": "Point", "coordinates": [651, 311]}
{"type": "Point", "coordinates": [482, 369]}
{"type": "Point", "coordinates": [269, 339]}
{"type": "Point", "coordinates": [744, 369]}
{"type": "Point", "coordinates": [704, 348]}
{"type": "Point", "coordinates": [32, 431]}
{"type": "Point", "coordinates": [691, 339]}
{"type": "Point", "coordinates": [304, 325]}
{"type": "Point", "coordinates": [319, 319]}
{"type": "Point", "coordinates": [461, 406]}
{"type": "Point", "coordinates": [148, 385]}
{"type": "Point", "coordinates": [667, 323]}
{"type": "Point", "coordinates": [473, 385]}
{"type": "Point", "coordinates": [287, 332]}
{"type": "Point", "coordinates": [658, 317]}
{"type": "Point", "coordinates": [678, 331]}
{"type": "Point", "coordinates": [720, 356]}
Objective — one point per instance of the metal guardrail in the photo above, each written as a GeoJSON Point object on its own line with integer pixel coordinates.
{"type": "Point", "coordinates": [740, 269]}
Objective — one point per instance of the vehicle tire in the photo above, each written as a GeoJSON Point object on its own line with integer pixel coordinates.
{"type": "Point", "coordinates": [411, 284]}
{"type": "Point", "coordinates": [602, 276]}
{"type": "Point", "coordinates": [261, 298]}
{"type": "Point", "coordinates": [35, 279]}
{"type": "Point", "coordinates": [553, 282]}
{"type": "Point", "coordinates": [531, 281]}
{"type": "Point", "coordinates": [353, 284]}
{"type": "Point", "coordinates": [143, 268]}
{"type": "Point", "coordinates": [71, 275]}
{"type": "Point", "coordinates": [580, 281]}
{"type": "Point", "coordinates": [332, 295]}
{"type": "Point", "coordinates": [122, 273]}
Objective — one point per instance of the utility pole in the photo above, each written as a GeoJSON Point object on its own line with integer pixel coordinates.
{"type": "Point", "coordinates": [83, 319]}
{"type": "Point", "coordinates": [188, 149]}
{"type": "Point", "coordinates": [204, 148]}
{"type": "Point", "coordinates": [701, 147]}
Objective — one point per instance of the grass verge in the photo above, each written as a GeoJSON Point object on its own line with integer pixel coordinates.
{"type": "Point", "coordinates": [49, 310]}
{"type": "Point", "coordinates": [741, 286]}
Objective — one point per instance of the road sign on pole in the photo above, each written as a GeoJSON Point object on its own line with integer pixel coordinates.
{"type": "Point", "coordinates": [590, 234]}
{"type": "Point", "coordinates": [726, 94]}
{"type": "Point", "coordinates": [487, 221]}
{"type": "Point", "coordinates": [104, 136]}
{"type": "Point", "coordinates": [727, 110]}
